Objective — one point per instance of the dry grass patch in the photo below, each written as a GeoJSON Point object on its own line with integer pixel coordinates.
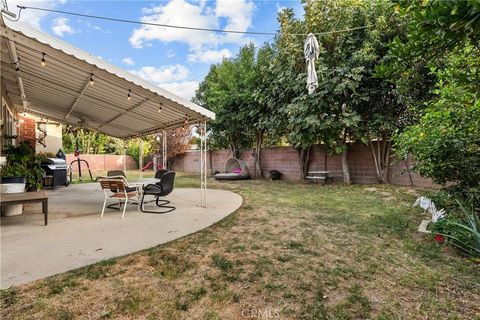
{"type": "Point", "coordinates": [292, 251]}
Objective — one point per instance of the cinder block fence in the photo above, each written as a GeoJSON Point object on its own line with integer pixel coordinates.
{"type": "Point", "coordinates": [285, 160]}
{"type": "Point", "coordinates": [105, 162]}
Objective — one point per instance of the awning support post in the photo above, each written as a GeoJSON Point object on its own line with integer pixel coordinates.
{"type": "Point", "coordinates": [164, 150]}
{"type": "Point", "coordinates": [203, 163]}
{"type": "Point", "coordinates": [140, 160]}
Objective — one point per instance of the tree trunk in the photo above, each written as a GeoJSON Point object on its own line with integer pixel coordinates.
{"type": "Point", "coordinates": [210, 156]}
{"type": "Point", "coordinates": [235, 150]}
{"type": "Point", "coordinates": [381, 157]}
{"type": "Point", "coordinates": [345, 168]}
{"type": "Point", "coordinates": [140, 157]}
{"type": "Point", "coordinates": [304, 158]}
{"type": "Point", "coordinates": [257, 153]}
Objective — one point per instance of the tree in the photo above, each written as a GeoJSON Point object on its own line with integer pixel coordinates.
{"type": "Point", "coordinates": [223, 91]}
{"type": "Point", "coordinates": [89, 141]}
{"type": "Point", "coordinates": [229, 89]}
{"type": "Point", "coordinates": [178, 142]}
{"type": "Point", "coordinates": [333, 114]}
{"type": "Point", "coordinates": [445, 141]}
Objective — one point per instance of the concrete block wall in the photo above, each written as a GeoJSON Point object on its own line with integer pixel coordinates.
{"type": "Point", "coordinates": [285, 160]}
{"type": "Point", "coordinates": [105, 162]}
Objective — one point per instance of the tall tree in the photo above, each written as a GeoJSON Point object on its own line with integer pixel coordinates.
{"type": "Point", "coordinates": [445, 36]}
{"type": "Point", "coordinates": [333, 114]}
{"type": "Point", "coordinates": [224, 91]}
{"type": "Point", "coordinates": [229, 90]}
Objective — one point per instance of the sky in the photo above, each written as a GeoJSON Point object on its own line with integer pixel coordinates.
{"type": "Point", "coordinates": [177, 60]}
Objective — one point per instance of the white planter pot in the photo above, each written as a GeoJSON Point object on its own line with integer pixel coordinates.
{"type": "Point", "coordinates": [14, 209]}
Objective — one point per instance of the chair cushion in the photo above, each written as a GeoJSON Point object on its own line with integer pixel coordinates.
{"type": "Point", "coordinates": [131, 189]}
{"type": "Point", "coordinates": [152, 189]}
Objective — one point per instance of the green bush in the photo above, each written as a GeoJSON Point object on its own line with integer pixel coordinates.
{"type": "Point", "coordinates": [463, 232]}
{"type": "Point", "coordinates": [13, 170]}
{"type": "Point", "coordinates": [23, 162]}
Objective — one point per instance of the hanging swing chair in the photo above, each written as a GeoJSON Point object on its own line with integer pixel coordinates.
{"type": "Point", "coordinates": [234, 170]}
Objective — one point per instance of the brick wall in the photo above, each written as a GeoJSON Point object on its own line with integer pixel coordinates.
{"type": "Point", "coordinates": [26, 130]}
{"type": "Point", "coordinates": [285, 160]}
{"type": "Point", "coordinates": [105, 162]}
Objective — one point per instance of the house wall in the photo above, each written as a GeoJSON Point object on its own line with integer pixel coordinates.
{"type": "Point", "coordinates": [8, 124]}
{"type": "Point", "coordinates": [285, 160]}
{"type": "Point", "coordinates": [27, 131]}
{"type": "Point", "coordinates": [53, 140]}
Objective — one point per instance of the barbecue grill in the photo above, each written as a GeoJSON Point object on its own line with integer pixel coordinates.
{"type": "Point", "coordinates": [56, 171]}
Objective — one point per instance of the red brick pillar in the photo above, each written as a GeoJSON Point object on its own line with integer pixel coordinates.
{"type": "Point", "coordinates": [27, 130]}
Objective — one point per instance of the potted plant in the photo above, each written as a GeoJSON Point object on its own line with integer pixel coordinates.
{"type": "Point", "coordinates": [22, 171]}
{"type": "Point", "coordinates": [12, 181]}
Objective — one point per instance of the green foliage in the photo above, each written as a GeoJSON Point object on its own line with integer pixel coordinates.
{"type": "Point", "coordinates": [443, 42]}
{"type": "Point", "coordinates": [13, 170]}
{"type": "Point", "coordinates": [228, 91]}
{"type": "Point", "coordinates": [90, 142]}
{"type": "Point", "coordinates": [464, 233]}
{"type": "Point", "coordinates": [350, 103]}
{"type": "Point", "coordinates": [133, 149]}
{"type": "Point", "coordinates": [445, 143]}
{"type": "Point", "coordinates": [22, 161]}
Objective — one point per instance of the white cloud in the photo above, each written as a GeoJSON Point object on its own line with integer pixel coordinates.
{"type": "Point", "coordinates": [163, 74]}
{"type": "Point", "coordinates": [128, 61]}
{"type": "Point", "coordinates": [60, 26]}
{"type": "Point", "coordinates": [170, 54]}
{"type": "Point", "coordinates": [96, 28]}
{"type": "Point", "coordinates": [237, 14]}
{"type": "Point", "coordinates": [280, 8]}
{"type": "Point", "coordinates": [33, 18]}
{"type": "Point", "coordinates": [209, 56]}
{"type": "Point", "coordinates": [184, 89]}
{"type": "Point", "coordinates": [176, 12]}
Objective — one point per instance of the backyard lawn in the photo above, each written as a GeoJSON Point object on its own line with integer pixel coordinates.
{"type": "Point", "coordinates": [292, 251]}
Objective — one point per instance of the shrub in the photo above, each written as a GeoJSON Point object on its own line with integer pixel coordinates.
{"type": "Point", "coordinates": [464, 233]}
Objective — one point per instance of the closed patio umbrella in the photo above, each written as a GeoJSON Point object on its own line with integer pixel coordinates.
{"type": "Point", "coordinates": [311, 51]}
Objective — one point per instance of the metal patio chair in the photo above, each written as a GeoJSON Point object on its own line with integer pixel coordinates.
{"type": "Point", "coordinates": [160, 189]}
{"type": "Point", "coordinates": [120, 186]}
{"type": "Point", "coordinates": [159, 174]}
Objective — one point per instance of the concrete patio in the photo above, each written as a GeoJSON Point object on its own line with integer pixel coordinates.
{"type": "Point", "coordinates": [76, 236]}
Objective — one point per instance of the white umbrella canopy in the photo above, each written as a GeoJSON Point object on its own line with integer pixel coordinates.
{"type": "Point", "coordinates": [311, 51]}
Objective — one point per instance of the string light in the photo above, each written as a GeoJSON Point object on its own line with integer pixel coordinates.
{"type": "Point", "coordinates": [17, 65]}
{"type": "Point", "coordinates": [157, 138]}
{"type": "Point", "coordinates": [129, 96]}
{"type": "Point", "coordinates": [91, 79]}
{"type": "Point", "coordinates": [186, 118]}
{"type": "Point", "coordinates": [160, 108]}
{"type": "Point", "coordinates": [43, 63]}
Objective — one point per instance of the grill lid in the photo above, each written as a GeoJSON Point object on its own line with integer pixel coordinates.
{"type": "Point", "coordinates": [54, 161]}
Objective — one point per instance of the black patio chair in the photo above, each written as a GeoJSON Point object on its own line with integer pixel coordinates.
{"type": "Point", "coordinates": [160, 189]}
{"type": "Point", "coordinates": [159, 174]}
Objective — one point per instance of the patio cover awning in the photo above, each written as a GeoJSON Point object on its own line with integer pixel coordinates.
{"type": "Point", "coordinates": [61, 89]}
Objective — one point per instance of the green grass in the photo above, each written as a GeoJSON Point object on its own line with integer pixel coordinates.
{"type": "Point", "coordinates": [293, 250]}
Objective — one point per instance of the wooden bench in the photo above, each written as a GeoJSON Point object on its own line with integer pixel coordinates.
{"type": "Point", "coordinates": [27, 197]}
